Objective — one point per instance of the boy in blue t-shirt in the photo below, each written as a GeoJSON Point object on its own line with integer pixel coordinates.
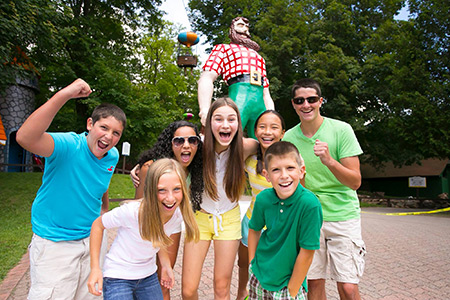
{"type": "Point", "coordinates": [280, 256]}
{"type": "Point", "coordinates": [73, 193]}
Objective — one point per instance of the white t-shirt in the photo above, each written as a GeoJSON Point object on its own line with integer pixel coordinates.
{"type": "Point", "coordinates": [131, 257]}
{"type": "Point", "coordinates": [223, 204]}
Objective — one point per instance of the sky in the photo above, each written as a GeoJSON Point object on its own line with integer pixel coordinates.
{"type": "Point", "coordinates": [177, 14]}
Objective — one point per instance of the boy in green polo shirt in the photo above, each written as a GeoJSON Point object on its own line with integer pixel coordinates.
{"type": "Point", "coordinates": [280, 256]}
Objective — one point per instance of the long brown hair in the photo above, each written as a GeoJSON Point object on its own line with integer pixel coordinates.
{"type": "Point", "coordinates": [234, 180]}
{"type": "Point", "coordinates": [150, 223]}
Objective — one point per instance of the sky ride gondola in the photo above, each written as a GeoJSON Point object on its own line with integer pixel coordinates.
{"type": "Point", "coordinates": [185, 58]}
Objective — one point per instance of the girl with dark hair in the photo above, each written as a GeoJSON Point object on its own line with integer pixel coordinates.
{"type": "Point", "coordinates": [269, 129]}
{"type": "Point", "coordinates": [224, 152]}
{"type": "Point", "coordinates": [180, 141]}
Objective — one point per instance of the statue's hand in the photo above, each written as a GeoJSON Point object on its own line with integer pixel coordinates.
{"type": "Point", "coordinates": [202, 116]}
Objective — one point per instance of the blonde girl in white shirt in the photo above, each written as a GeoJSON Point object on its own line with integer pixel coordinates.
{"type": "Point", "coordinates": [144, 228]}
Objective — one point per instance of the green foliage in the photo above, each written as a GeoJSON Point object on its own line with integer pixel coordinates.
{"type": "Point", "coordinates": [388, 78]}
{"type": "Point", "coordinates": [24, 24]}
{"type": "Point", "coordinates": [122, 48]}
{"type": "Point", "coordinates": [18, 193]}
{"type": "Point", "coordinates": [164, 93]}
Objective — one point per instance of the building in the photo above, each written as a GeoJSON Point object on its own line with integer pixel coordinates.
{"type": "Point", "coordinates": [17, 102]}
{"type": "Point", "coordinates": [395, 181]}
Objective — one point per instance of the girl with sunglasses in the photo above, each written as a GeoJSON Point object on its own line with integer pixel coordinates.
{"type": "Point", "coordinates": [180, 141]}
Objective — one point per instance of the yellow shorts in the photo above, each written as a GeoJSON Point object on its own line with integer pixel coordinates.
{"type": "Point", "coordinates": [227, 227]}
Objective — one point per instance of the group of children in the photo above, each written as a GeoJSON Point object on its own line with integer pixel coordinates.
{"type": "Point", "coordinates": [182, 178]}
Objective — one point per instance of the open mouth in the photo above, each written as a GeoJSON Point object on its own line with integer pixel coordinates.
{"type": "Point", "coordinates": [285, 185]}
{"type": "Point", "coordinates": [102, 145]}
{"type": "Point", "coordinates": [225, 135]}
{"type": "Point", "coordinates": [169, 206]}
{"type": "Point", "coordinates": [185, 156]}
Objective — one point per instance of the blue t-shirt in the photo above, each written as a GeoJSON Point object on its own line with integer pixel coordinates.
{"type": "Point", "coordinates": [73, 184]}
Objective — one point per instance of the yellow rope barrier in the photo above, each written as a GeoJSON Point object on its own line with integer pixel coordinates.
{"type": "Point", "coordinates": [410, 213]}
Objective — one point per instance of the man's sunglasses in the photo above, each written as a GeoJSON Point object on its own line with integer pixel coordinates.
{"type": "Point", "coordinates": [179, 141]}
{"type": "Point", "coordinates": [301, 100]}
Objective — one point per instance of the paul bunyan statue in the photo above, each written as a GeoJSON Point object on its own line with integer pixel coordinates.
{"type": "Point", "coordinates": [244, 71]}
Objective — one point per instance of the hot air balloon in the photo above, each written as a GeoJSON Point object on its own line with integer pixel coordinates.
{"type": "Point", "coordinates": [186, 59]}
{"type": "Point", "coordinates": [188, 38]}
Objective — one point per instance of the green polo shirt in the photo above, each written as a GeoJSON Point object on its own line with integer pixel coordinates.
{"type": "Point", "coordinates": [292, 223]}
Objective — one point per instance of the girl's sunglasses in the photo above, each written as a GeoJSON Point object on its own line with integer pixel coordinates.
{"type": "Point", "coordinates": [301, 100]}
{"type": "Point", "coordinates": [179, 141]}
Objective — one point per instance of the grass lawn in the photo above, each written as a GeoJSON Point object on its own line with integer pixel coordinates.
{"type": "Point", "coordinates": [17, 193]}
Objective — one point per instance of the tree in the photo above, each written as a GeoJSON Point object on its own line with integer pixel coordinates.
{"type": "Point", "coordinates": [122, 48]}
{"type": "Point", "coordinates": [386, 77]}
{"type": "Point", "coordinates": [97, 42]}
{"type": "Point", "coordinates": [23, 24]}
{"type": "Point", "coordinates": [163, 92]}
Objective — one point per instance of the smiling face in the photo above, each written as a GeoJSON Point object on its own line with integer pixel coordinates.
{"type": "Point", "coordinates": [185, 153]}
{"type": "Point", "coordinates": [308, 112]}
{"type": "Point", "coordinates": [169, 193]}
{"type": "Point", "coordinates": [224, 125]}
{"type": "Point", "coordinates": [284, 173]}
{"type": "Point", "coordinates": [103, 135]}
{"type": "Point", "coordinates": [269, 130]}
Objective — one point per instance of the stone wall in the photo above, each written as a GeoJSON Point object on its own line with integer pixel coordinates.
{"type": "Point", "coordinates": [404, 203]}
{"type": "Point", "coordinates": [16, 104]}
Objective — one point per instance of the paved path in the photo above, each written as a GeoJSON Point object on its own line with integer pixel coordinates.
{"type": "Point", "coordinates": [408, 258]}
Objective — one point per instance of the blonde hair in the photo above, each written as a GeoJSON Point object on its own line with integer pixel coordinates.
{"type": "Point", "coordinates": [151, 227]}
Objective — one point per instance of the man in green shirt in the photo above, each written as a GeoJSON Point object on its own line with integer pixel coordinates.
{"type": "Point", "coordinates": [330, 150]}
{"type": "Point", "coordinates": [281, 255]}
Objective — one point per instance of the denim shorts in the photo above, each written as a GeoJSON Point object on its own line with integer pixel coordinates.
{"type": "Point", "coordinates": [244, 230]}
{"type": "Point", "coordinates": [128, 289]}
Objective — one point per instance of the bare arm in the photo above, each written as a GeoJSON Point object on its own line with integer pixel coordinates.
{"type": "Point", "coordinates": [205, 93]}
{"type": "Point", "coordinates": [96, 276]}
{"type": "Point", "coordinates": [268, 102]}
{"type": "Point", "coordinates": [250, 147]}
{"type": "Point", "coordinates": [302, 264]}
{"type": "Point", "coordinates": [142, 175]}
{"type": "Point", "coordinates": [167, 277]}
{"type": "Point", "coordinates": [32, 134]}
{"type": "Point", "coordinates": [253, 240]}
{"type": "Point", "coordinates": [105, 202]}
{"type": "Point", "coordinates": [134, 174]}
{"type": "Point", "coordinates": [346, 171]}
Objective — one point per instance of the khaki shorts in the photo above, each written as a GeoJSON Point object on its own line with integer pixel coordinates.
{"type": "Point", "coordinates": [60, 270]}
{"type": "Point", "coordinates": [227, 227]}
{"type": "Point", "coordinates": [342, 246]}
